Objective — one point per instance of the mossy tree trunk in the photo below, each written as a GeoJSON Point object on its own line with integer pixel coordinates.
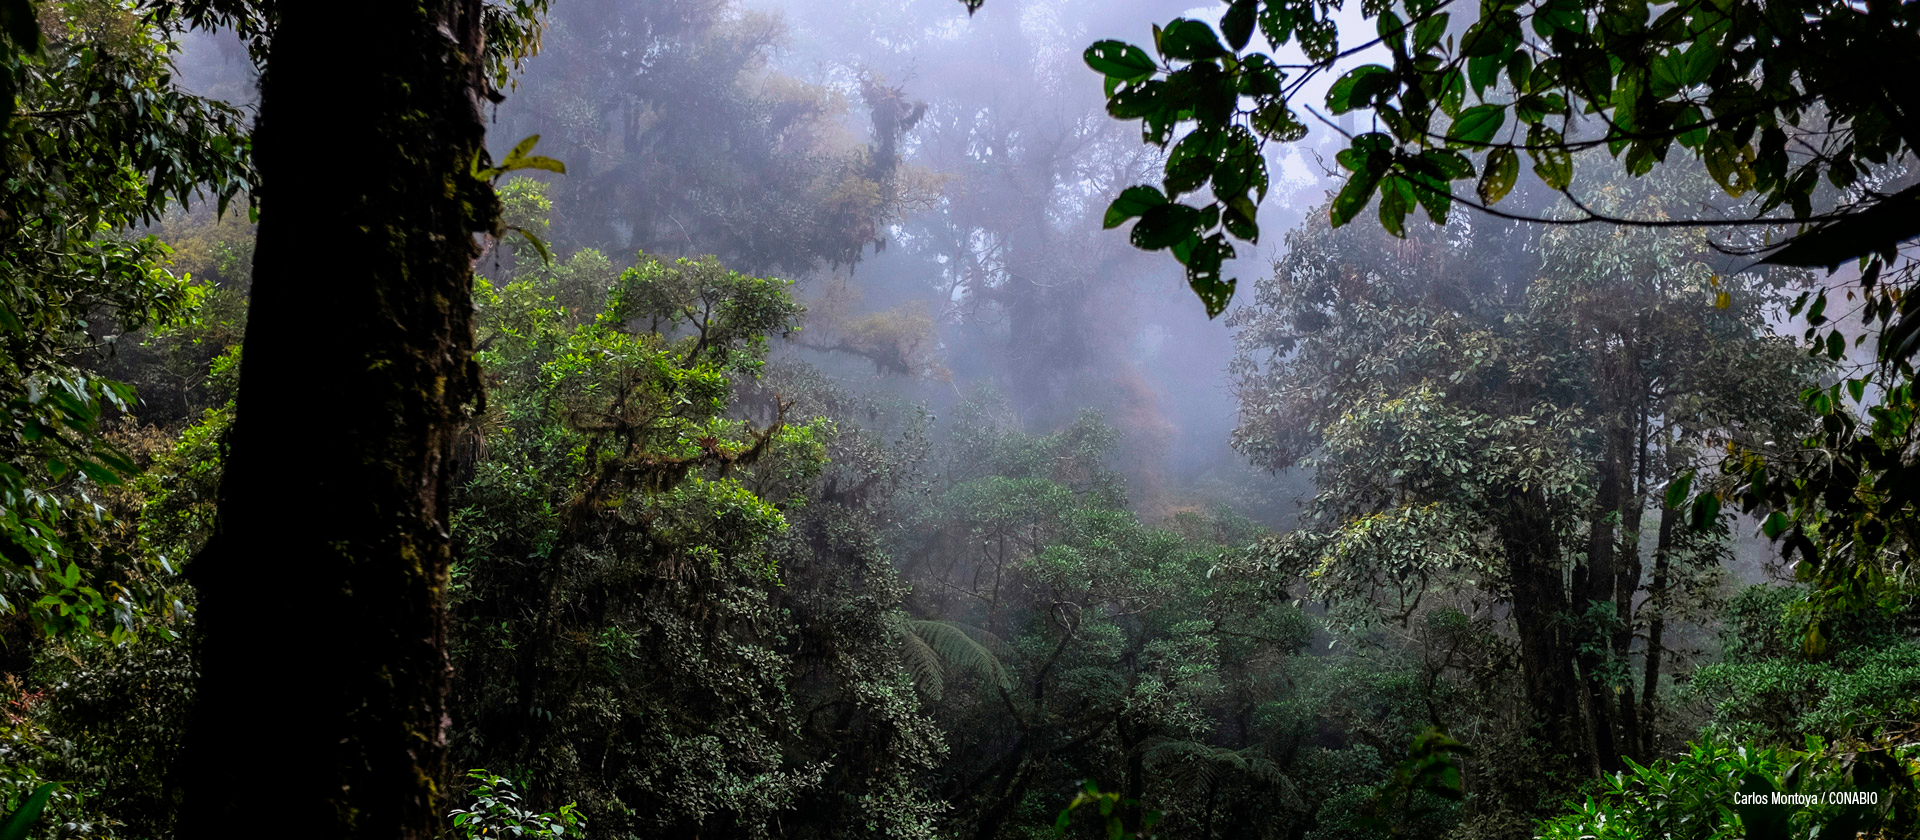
{"type": "Point", "coordinates": [322, 697]}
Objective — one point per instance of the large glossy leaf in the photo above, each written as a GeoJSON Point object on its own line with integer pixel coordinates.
{"type": "Point", "coordinates": [1358, 87]}
{"type": "Point", "coordinates": [1120, 60]}
{"type": "Point", "coordinates": [1163, 225]}
{"type": "Point", "coordinates": [1133, 202]}
{"type": "Point", "coordinates": [1190, 40]}
{"type": "Point", "coordinates": [20, 823]}
{"type": "Point", "coordinates": [1475, 126]}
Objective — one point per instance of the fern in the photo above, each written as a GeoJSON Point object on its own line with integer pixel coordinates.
{"type": "Point", "coordinates": [921, 661]}
{"type": "Point", "coordinates": [1193, 766]}
{"type": "Point", "coordinates": [926, 645]}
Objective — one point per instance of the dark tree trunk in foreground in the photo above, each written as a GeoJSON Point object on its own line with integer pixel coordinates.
{"type": "Point", "coordinates": [1540, 607]}
{"type": "Point", "coordinates": [322, 700]}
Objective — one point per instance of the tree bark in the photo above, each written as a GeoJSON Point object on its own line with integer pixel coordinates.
{"type": "Point", "coordinates": [322, 697]}
{"type": "Point", "coordinates": [1629, 569]}
{"type": "Point", "coordinates": [1539, 591]}
{"type": "Point", "coordinates": [1656, 629]}
{"type": "Point", "coordinates": [1600, 580]}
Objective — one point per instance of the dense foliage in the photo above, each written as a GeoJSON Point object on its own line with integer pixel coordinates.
{"type": "Point", "coordinates": [745, 545]}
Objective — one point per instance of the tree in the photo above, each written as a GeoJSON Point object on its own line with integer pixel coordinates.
{"type": "Point", "coordinates": [1083, 643]}
{"type": "Point", "coordinates": [689, 144]}
{"type": "Point", "coordinates": [1478, 430]}
{"type": "Point", "coordinates": [1800, 105]}
{"type": "Point", "coordinates": [320, 603]}
{"type": "Point", "coordinates": [98, 139]}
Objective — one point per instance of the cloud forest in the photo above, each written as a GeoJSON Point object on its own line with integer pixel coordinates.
{"type": "Point", "coordinates": [959, 419]}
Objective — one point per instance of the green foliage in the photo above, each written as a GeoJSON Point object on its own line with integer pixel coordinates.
{"type": "Point", "coordinates": [655, 579]}
{"type": "Point", "coordinates": [101, 139]}
{"type": "Point", "coordinates": [1113, 812]}
{"type": "Point", "coordinates": [1769, 690]}
{"type": "Point", "coordinates": [21, 821]}
{"type": "Point", "coordinates": [1686, 76]}
{"type": "Point", "coordinates": [496, 814]}
{"type": "Point", "coordinates": [1693, 796]}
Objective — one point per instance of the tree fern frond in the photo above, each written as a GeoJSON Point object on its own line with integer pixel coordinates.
{"type": "Point", "coordinates": [962, 647]}
{"type": "Point", "coordinates": [1194, 766]}
{"type": "Point", "coordinates": [921, 661]}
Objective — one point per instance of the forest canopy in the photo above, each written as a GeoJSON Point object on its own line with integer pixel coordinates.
{"type": "Point", "coordinates": [739, 419]}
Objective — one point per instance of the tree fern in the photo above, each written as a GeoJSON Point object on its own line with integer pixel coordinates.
{"type": "Point", "coordinates": [1193, 766]}
{"type": "Point", "coordinates": [926, 646]}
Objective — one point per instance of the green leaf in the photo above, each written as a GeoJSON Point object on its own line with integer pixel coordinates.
{"type": "Point", "coordinates": [1427, 32]}
{"type": "Point", "coordinates": [1447, 164]}
{"type": "Point", "coordinates": [521, 148]}
{"type": "Point", "coordinates": [1452, 92]}
{"type": "Point", "coordinates": [1482, 70]}
{"type": "Point", "coordinates": [99, 474]}
{"type": "Point", "coordinates": [1706, 509]}
{"type": "Point", "coordinates": [1775, 525]}
{"type": "Point", "coordinates": [1678, 488]}
{"type": "Point", "coordinates": [1353, 197]}
{"type": "Point", "coordinates": [538, 244]}
{"type": "Point", "coordinates": [1393, 31]}
{"type": "Point", "coordinates": [1164, 225]}
{"type": "Point", "coordinates": [1136, 101]}
{"type": "Point", "coordinates": [1358, 87]}
{"type": "Point", "coordinates": [1476, 126]}
{"type": "Point", "coordinates": [1434, 195]}
{"type": "Point", "coordinates": [1275, 121]}
{"type": "Point", "coordinates": [1729, 162]}
{"type": "Point", "coordinates": [1120, 60]}
{"type": "Point", "coordinates": [1190, 40]}
{"type": "Point", "coordinates": [21, 822]}
{"type": "Point", "coordinates": [1133, 201]}
{"type": "Point", "coordinates": [1237, 24]}
{"type": "Point", "coordinates": [1696, 64]}
{"type": "Point", "coordinates": [1498, 175]}
{"type": "Point", "coordinates": [1203, 258]}
{"type": "Point", "coordinates": [1396, 200]}
{"type": "Point", "coordinates": [539, 162]}
{"type": "Point", "coordinates": [1551, 160]}
{"type": "Point", "coordinates": [1192, 161]}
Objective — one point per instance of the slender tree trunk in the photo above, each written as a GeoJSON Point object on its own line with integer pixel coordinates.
{"type": "Point", "coordinates": [1629, 570]}
{"type": "Point", "coordinates": [322, 696]}
{"type": "Point", "coordinates": [1656, 629]}
{"type": "Point", "coordinates": [1600, 579]}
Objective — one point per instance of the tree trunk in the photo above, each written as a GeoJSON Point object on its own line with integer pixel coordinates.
{"type": "Point", "coordinates": [1600, 579]}
{"type": "Point", "coordinates": [1656, 629]}
{"type": "Point", "coordinates": [322, 696]}
{"type": "Point", "coordinates": [1629, 570]}
{"type": "Point", "coordinates": [1540, 605]}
